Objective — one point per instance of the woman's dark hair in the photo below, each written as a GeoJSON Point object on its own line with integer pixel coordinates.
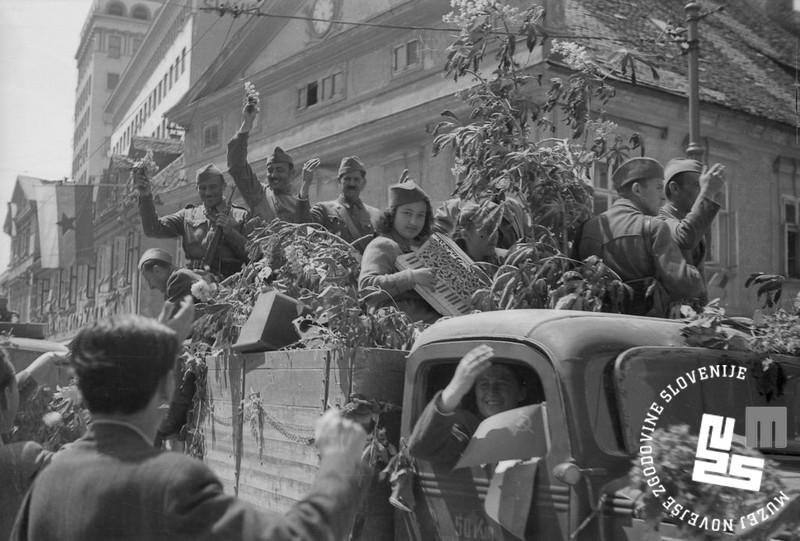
{"type": "Point", "coordinates": [386, 221]}
{"type": "Point", "coordinates": [120, 361]}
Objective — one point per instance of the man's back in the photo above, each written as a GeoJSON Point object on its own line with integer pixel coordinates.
{"type": "Point", "coordinates": [112, 484]}
{"type": "Point", "coordinates": [639, 248]}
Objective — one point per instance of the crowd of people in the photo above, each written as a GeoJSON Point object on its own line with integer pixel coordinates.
{"type": "Point", "coordinates": [115, 482]}
{"type": "Point", "coordinates": [653, 236]}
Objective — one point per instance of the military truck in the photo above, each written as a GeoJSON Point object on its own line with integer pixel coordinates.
{"type": "Point", "coordinates": [597, 374]}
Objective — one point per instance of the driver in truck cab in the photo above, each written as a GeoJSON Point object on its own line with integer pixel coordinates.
{"type": "Point", "coordinates": [445, 427]}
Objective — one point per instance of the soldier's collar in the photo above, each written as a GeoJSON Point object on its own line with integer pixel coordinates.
{"type": "Point", "coordinates": [359, 204]}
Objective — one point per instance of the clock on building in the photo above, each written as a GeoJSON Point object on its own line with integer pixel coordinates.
{"type": "Point", "coordinates": [322, 11]}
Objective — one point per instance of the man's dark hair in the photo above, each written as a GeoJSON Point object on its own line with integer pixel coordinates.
{"type": "Point", "coordinates": [680, 179]}
{"type": "Point", "coordinates": [386, 221]}
{"type": "Point", "coordinates": [7, 376]}
{"type": "Point", "coordinates": [119, 362]}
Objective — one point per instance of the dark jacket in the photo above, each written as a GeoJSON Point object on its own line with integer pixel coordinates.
{"type": "Point", "coordinates": [19, 464]}
{"type": "Point", "coordinates": [263, 202]}
{"type": "Point", "coordinates": [112, 484]}
{"type": "Point", "coordinates": [349, 221]}
{"type": "Point", "coordinates": [378, 269]}
{"type": "Point", "coordinates": [440, 437]}
{"type": "Point", "coordinates": [690, 231]}
{"type": "Point", "coordinates": [640, 248]}
{"type": "Point", "coordinates": [193, 226]}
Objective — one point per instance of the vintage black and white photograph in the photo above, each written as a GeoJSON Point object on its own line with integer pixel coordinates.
{"type": "Point", "coordinates": [400, 270]}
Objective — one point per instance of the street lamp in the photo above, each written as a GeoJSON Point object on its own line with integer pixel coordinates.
{"type": "Point", "coordinates": [695, 149]}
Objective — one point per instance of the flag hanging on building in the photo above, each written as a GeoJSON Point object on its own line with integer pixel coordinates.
{"type": "Point", "coordinates": [64, 213]}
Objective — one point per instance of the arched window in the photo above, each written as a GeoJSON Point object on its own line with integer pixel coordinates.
{"type": "Point", "coordinates": [140, 11]}
{"type": "Point", "coordinates": [116, 8]}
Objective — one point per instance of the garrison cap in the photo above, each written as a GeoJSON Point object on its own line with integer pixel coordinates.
{"type": "Point", "coordinates": [404, 193]}
{"type": "Point", "coordinates": [636, 169]}
{"type": "Point", "coordinates": [155, 254]}
{"type": "Point", "coordinates": [351, 164]}
{"type": "Point", "coordinates": [681, 165]}
{"type": "Point", "coordinates": [209, 172]}
{"type": "Point", "coordinates": [279, 156]}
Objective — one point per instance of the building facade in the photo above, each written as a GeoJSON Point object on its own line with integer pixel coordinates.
{"type": "Point", "coordinates": [113, 31]}
{"type": "Point", "coordinates": [332, 90]}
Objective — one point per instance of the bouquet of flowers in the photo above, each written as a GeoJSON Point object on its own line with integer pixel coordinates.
{"type": "Point", "coordinates": [252, 97]}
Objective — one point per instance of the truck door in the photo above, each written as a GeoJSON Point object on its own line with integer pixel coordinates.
{"type": "Point", "coordinates": [450, 502]}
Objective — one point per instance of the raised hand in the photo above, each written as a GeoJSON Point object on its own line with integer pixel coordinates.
{"type": "Point", "coordinates": [335, 434]}
{"type": "Point", "coordinates": [471, 365]}
{"type": "Point", "coordinates": [712, 180]}
{"type": "Point", "coordinates": [140, 180]}
{"type": "Point", "coordinates": [249, 114]}
{"type": "Point", "coordinates": [308, 175]}
{"type": "Point", "coordinates": [180, 321]}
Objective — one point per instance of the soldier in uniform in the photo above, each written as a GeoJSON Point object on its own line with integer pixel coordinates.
{"type": "Point", "coordinates": [691, 206]}
{"type": "Point", "coordinates": [159, 272]}
{"type": "Point", "coordinates": [347, 216]}
{"type": "Point", "coordinates": [212, 234]}
{"type": "Point", "coordinates": [637, 245]}
{"type": "Point", "coordinates": [275, 200]}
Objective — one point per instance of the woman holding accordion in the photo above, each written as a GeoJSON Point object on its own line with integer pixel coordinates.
{"type": "Point", "coordinates": [403, 228]}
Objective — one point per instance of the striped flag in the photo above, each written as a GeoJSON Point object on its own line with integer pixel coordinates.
{"type": "Point", "coordinates": [66, 234]}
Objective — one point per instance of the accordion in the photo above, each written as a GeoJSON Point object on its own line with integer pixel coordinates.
{"type": "Point", "coordinates": [457, 276]}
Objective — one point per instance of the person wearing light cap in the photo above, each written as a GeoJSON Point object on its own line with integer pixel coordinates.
{"type": "Point", "coordinates": [158, 270]}
{"type": "Point", "coordinates": [691, 207]}
{"type": "Point", "coordinates": [275, 199]}
{"type": "Point", "coordinates": [197, 226]}
{"type": "Point", "coordinates": [156, 267]}
{"type": "Point", "coordinates": [637, 245]}
{"type": "Point", "coordinates": [403, 228]}
{"type": "Point", "coordinates": [347, 216]}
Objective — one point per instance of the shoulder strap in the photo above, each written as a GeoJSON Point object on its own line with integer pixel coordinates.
{"type": "Point", "coordinates": [348, 220]}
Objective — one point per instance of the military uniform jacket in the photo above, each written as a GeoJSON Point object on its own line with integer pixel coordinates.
{"type": "Point", "coordinates": [112, 484]}
{"type": "Point", "coordinates": [440, 437]}
{"type": "Point", "coordinates": [349, 221]}
{"type": "Point", "coordinates": [689, 232]}
{"type": "Point", "coordinates": [193, 225]}
{"type": "Point", "coordinates": [638, 247]}
{"type": "Point", "coordinates": [263, 202]}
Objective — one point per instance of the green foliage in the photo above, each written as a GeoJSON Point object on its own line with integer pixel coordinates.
{"type": "Point", "coordinates": [51, 418]}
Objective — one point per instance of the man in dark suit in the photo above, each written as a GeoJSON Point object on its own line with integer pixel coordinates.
{"type": "Point", "coordinates": [112, 484]}
{"type": "Point", "coordinates": [348, 216]}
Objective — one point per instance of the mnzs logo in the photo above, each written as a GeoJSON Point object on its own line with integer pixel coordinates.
{"type": "Point", "coordinates": [716, 465]}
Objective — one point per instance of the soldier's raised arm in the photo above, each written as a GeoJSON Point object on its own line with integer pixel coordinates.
{"type": "Point", "coordinates": [153, 226]}
{"type": "Point", "coordinates": [243, 175]}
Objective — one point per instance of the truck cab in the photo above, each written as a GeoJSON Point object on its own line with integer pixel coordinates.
{"type": "Point", "coordinates": [598, 375]}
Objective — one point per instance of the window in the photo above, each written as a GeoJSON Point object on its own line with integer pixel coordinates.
{"type": "Point", "coordinates": [91, 279]}
{"type": "Point", "coordinates": [604, 194]}
{"type": "Point", "coordinates": [406, 56]}
{"type": "Point", "coordinates": [73, 285]}
{"type": "Point", "coordinates": [791, 229]}
{"type": "Point", "coordinates": [177, 67]}
{"type": "Point", "coordinates": [322, 90]}
{"type": "Point", "coordinates": [116, 8]}
{"type": "Point", "coordinates": [136, 42]}
{"type": "Point", "coordinates": [114, 46]}
{"type": "Point", "coordinates": [211, 135]}
{"type": "Point", "coordinates": [44, 293]}
{"type": "Point", "coordinates": [183, 60]}
{"type": "Point", "coordinates": [171, 75]}
{"type": "Point", "coordinates": [165, 84]}
{"type": "Point", "coordinates": [140, 12]}
{"type": "Point", "coordinates": [130, 257]}
{"type": "Point", "coordinates": [111, 80]}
